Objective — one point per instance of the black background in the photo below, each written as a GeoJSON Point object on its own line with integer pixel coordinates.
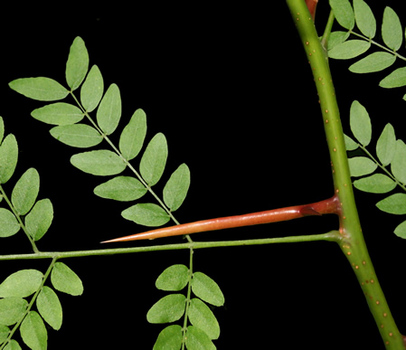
{"type": "Point", "coordinates": [230, 88]}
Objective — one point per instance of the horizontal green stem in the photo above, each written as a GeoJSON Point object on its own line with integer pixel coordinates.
{"type": "Point", "coordinates": [333, 236]}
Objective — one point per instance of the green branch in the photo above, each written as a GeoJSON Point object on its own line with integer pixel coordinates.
{"type": "Point", "coordinates": [332, 236]}
{"type": "Point", "coordinates": [352, 243]}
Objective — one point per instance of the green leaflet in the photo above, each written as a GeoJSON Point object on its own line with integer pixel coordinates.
{"type": "Point", "coordinates": [4, 332]}
{"type": "Point", "coordinates": [386, 145]}
{"type": "Point", "coordinates": [78, 135]}
{"type": "Point", "coordinates": [176, 188]}
{"type": "Point", "coordinates": [153, 161]}
{"type": "Point", "coordinates": [50, 307]}
{"type": "Point", "coordinates": [364, 18]}
{"type": "Point", "coordinates": [336, 38]}
{"type": "Point", "coordinates": [42, 89]}
{"type": "Point", "coordinates": [400, 230]}
{"type": "Point", "coordinates": [133, 135]}
{"type": "Point", "coordinates": [173, 278]}
{"type": "Point", "coordinates": [77, 64]}
{"type": "Point", "coordinates": [350, 144]}
{"type": "Point", "coordinates": [39, 219]}
{"type": "Point", "coordinates": [198, 339]}
{"type": "Point", "coordinates": [21, 284]}
{"type": "Point", "coordinates": [392, 33]}
{"type": "Point", "coordinates": [360, 123]}
{"type": "Point", "coordinates": [395, 79]}
{"type": "Point", "coordinates": [33, 331]}
{"type": "Point", "coordinates": [374, 62]}
{"type": "Point", "coordinates": [147, 214]}
{"type": "Point", "coordinates": [360, 166]}
{"type": "Point", "coordinates": [121, 188]}
{"type": "Point", "coordinates": [100, 162]}
{"type": "Point", "coordinates": [207, 289]}
{"type": "Point", "coordinates": [25, 191]}
{"type": "Point", "coordinates": [65, 280]}
{"type": "Point", "coordinates": [168, 309]}
{"type": "Point", "coordinates": [376, 183]}
{"type": "Point", "coordinates": [12, 309]}
{"type": "Point", "coordinates": [203, 318]}
{"type": "Point", "coordinates": [9, 225]}
{"type": "Point", "coordinates": [398, 165]}
{"type": "Point", "coordinates": [92, 89]}
{"type": "Point", "coordinates": [349, 49]}
{"type": "Point", "coordinates": [59, 113]}
{"type": "Point", "coordinates": [343, 13]}
{"type": "Point", "coordinates": [12, 345]}
{"type": "Point", "coordinates": [109, 111]}
{"type": "Point", "coordinates": [394, 204]}
{"type": "Point", "coordinates": [1, 130]}
{"type": "Point", "coordinates": [170, 338]}
{"type": "Point", "coordinates": [8, 158]}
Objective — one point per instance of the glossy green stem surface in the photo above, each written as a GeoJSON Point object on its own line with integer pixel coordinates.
{"type": "Point", "coordinates": [352, 240]}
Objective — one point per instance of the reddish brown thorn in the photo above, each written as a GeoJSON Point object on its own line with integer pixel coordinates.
{"type": "Point", "coordinates": [311, 5]}
{"type": "Point", "coordinates": [309, 211]}
{"type": "Point", "coordinates": [328, 206]}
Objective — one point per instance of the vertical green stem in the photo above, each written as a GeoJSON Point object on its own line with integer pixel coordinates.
{"type": "Point", "coordinates": [352, 243]}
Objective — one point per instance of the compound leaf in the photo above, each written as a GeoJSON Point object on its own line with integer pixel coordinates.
{"type": "Point", "coordinates": [168, 309]}
{"type": "Point", "coordinates": [170, 338]}
{"type": "Point", "coordinates": [39, 219]}
{"type": "Point", "coordinates": [392, 33]}
{"type": "Point", "coordinates": [65, 280]}
{"type": "Point", "coordinates": [21, 284]}
{"type": "Point", "coordinates": [92, 89]}
{"type": "Point", "coordinates": [398, 164]}
{"type": "Point", "coordinates": [177, 187]}
{"type": "Point", "coordinates": [147, 214]}
{"type": "Point", "coordinates": [173, 278]}
{"type": "Point", "coordinates": [9, 225]}
{"type": "Point", "coordinates": [33, 331]}
{"type": "Point", "coordinates": [58, 113]}
{"type": "Point", "coordinates": [78, 135]}
{"type": "Point", "coordinates": [394, 204]}
{"type": "Point", "coordinates": [25, 191]}
{"type": "Point", "coordinates": [364, 18]}
{"type": "Point", "coordinates": [207, 289]}
{"type": "Point", "coordinates": [198, 339]}
{"type": "Point", "coordinates": [374, 62]}
{"type": "Point", "coordinates": [395, 79]}
{"type": "Point", "coordinates": [100, 162]}
{"type": "Point", "coordinates": [121, 188]}
{"type": "Point", "coordinates": [12, 310]}
{"type": "Point", "coordinates": [109, 111]}
{"type": "Point", "coordinates": [203, 318]}
{"type": "Point", "coordinates": [77, 64]}
{"type": "Point", "coordinates": [360, 166]}
{"type": "Point", "coordinates": [8, 158]}
{"type": "Point", "coordinates": [349, 49]}
{"type": "Point", "coordinates": [360, 123]}
{"type": "Point", "coordinates": [343, 13]}
{"type": "Point", "coordinates": [153, 161]}
{"type": "Point", "coordinates": [386, 145]}
{"type": "Point", "coordinates": [41, 88]}
{"type": "Point", "coordinates": [376, 183]}
{"type": "Point", "coordinates": [50, 307]}
{"type": "Point", "coordinates": [133, 135]}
